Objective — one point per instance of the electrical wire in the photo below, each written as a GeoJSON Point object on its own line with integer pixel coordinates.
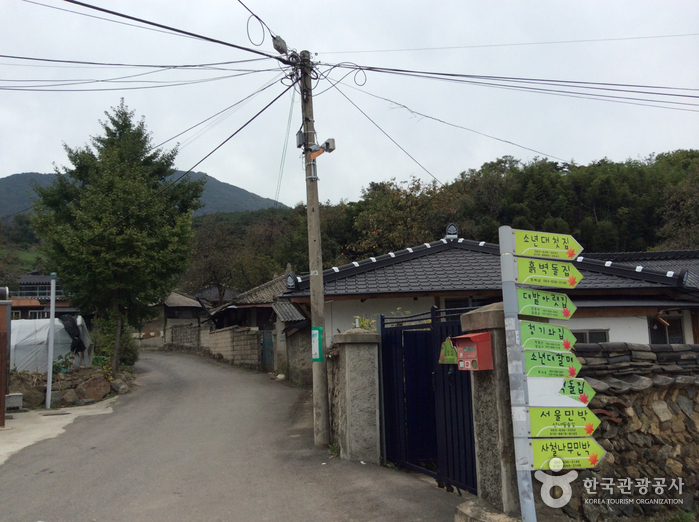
{"type": "Point", "coordinates": [387, 135]}
{"type": "Point", "coordinates": [181, 177]}
{"type": "Point", "coordinates": [149, 66]}
{"type": "Point", "coordinates": [484, 46]}
{"type": "Point", "coordinates": [105, 19]}
{"type": "Point", "coordinates": [170, 84]}
{"type": "Point", "coordinates": [284, 150]}
{"type": "Point", "coordinates": [508, 85]}
{"type": "Point", "coordinates": [423, 115]}
{"type": "Point", "coordinates": [239, 103]}
{"type": "Point", "coordinates": [178, 31]}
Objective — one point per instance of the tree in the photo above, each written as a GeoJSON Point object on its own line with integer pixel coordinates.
{"type": "Point", "coordinates": [115, 226]}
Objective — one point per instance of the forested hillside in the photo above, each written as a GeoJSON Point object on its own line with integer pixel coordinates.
{"type": "Point", "coordinates": [635, 205]}
{"type": "Point", "coordinates": [607, 206]}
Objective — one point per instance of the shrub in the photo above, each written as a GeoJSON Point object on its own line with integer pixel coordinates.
{"type": "Point", "coordinates": [104, 336]}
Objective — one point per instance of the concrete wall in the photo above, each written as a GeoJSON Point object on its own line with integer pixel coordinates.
{"type": "Point", "coordinates": [339, 314]}
{"type": "Point", "coordinates": [621, 329]}
{"type": "Point", "coordinates": [353, 393]}
{"type": "Point", "coordinates": [239, 346]}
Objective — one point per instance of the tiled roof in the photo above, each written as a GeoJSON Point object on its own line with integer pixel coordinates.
{"type": "Point", "coordinates": [662, 260]}
{"type": "Point", "coordinates": [459, 265]}
{"type": "Point", "coordinates": [263, 294]}
{"type": "Point", "coordinates": [621, 367]}
{"type": "Point", "coordinates": [287, 311]}
{"type": "Point", "coordinates": [177, 300]}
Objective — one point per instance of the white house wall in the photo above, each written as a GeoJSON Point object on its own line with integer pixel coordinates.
{"type": "Point", "coordinates": [339, 315]}
{"type": "Point", "coordinates": [621, 329]}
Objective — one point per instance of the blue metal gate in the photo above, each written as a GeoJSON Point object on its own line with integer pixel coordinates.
{"type": "Point", "coordinates": [428, 419]}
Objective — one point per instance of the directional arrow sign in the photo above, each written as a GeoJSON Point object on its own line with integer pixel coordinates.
{"type": "Point", "coordinates": [545, 363]}
{"type": "Point", "coordinates": [575, 453]}
{"type": "Point", "coordinates": [562, 422]}
{"type": "Point", "coordinates": [559, 392]}
{"type": "Point", "coordinates": [542, 272]}
{"type": "Point", "coordinates": [538, 303]}
{"type": "Point", "coordinates": [542, 336]}
{"type": "Point", "coordinates": [546, 244]}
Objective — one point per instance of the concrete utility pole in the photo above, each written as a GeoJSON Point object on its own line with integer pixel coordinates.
{"type": "Point", "coordinates": [321, 423]}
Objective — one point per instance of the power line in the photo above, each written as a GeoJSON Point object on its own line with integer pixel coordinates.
{"type": "Point", "coordinates": [150, 66]}
{"type": "Point", "coordinates": [284, 150]}
{"type": "Point", "coordinates": [485, 46]}
{"type": "Point", "coordinates": [54, 88]}
{"type": "Point", "coordinates": [403, 106]}
{"type": "Point", "coordinates": [510, 84]}
{"type": "Point", "coordinates": [387, 135]}
{"type": "Point", "coordinates": [238, 103]}
{"type": "Point", "coordinates": [105, 19]}
{"type": "Point", "coordinates": [180, 178]}
{"type": "Point", "coordinates": [178, 31]}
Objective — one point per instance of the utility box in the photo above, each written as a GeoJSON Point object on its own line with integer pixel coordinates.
{"type": "Point", "coordinates": [474, 351]}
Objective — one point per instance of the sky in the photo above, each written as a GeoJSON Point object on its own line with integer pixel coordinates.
{"type": "Point", "coordinates": [647, 44]}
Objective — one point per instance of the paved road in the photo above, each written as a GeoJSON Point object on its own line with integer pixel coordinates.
{"type": "Point", "coordinates": [202, 441]}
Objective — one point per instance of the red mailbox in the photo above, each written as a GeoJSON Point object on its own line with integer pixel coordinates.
{"type": "Point", "coordinates": [474, 351]}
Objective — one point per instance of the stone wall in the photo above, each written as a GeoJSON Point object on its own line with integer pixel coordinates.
{"type": "Point", "coordinates": [239, 346]}
{"type": "Point", "coordinates": [300, 364]}
{"type": "Point", "coordinates": [184, 334]}
{"type": "Point", "coordinates": [647, 397]}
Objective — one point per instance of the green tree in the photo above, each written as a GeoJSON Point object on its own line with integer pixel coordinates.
{"type": "Point", "coordinates": [115, 226]}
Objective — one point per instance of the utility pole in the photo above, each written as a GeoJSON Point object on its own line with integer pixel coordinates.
{"type": "Point", "coordinates": [321, 423]}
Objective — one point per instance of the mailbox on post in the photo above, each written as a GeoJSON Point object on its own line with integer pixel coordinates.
{"type": "Point", "coordinates": [474, 351]}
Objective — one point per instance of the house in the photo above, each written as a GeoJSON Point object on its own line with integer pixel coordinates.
{"type": "Point", "coordinates": [33, 298]}
{"type": "Point", "coordinates": [638, 298]}
{"type": "Point", "coordinates": [282, 328]}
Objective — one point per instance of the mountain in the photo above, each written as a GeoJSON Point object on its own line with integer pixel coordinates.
{"type": "Point", "coordinates": [16, 194]}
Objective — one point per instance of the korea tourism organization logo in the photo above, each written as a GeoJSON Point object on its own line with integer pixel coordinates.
{"type": "Point", "coordinates": [631, 491]}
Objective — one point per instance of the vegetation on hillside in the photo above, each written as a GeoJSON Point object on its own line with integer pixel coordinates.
{"type": "Point", "coordinates": [635, 205]}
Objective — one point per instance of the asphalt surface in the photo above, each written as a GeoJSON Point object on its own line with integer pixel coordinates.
{"type": "Point", "coordinates": [202, 441]}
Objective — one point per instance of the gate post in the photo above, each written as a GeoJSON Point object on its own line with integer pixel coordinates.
{"type": "Point", "coordinates": [354, 395]}
{"type": "Point", "coordinates": [495, 460]}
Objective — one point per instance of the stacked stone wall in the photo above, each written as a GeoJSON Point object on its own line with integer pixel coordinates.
{"type": "Point", "coordinates": [647, 397]}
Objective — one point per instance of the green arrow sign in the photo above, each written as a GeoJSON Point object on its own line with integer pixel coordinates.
{"type": "Point", "coordinates": [447, 355]}
{"type": "Point", "coordinates": [551, 305]}
{"type": "Point", "coordinates": [575, 453]}
{"type": "Point", "coordinates": [545, 363]}
{"type": "Point", "coordinates": [546, 244]}
{"type": "Point", "coordinates": [577, 389]}
{"type": "Point", "coordinates": [562, 422]}
{"type": "Point", "coordinates": [549, 392]}
{"type": "Point", "coordinates": [542, 336]}
{"type": "Point", "coordinates": [542, 272]}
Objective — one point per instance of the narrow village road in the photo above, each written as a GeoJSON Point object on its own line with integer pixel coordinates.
{"type": "Point", "coordinates": [203, 441]}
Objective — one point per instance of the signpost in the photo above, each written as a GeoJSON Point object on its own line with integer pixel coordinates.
{"type": "Point", "coordinates": [542, 336]}
{"type": "Point", "coordinates": [562, 422]}
{"type": "Point", "coordinates": [547, 400]}
{"type": "Point", "coordinates": [575, 453]}
{"type": "Point", "coordinates": [545, 244]}
{"type": "Point", "coordinates": [545, 363]}
{"type": "Point", "coordinates": [541, 272]}
{"type": "Point", "coordinates": [550, 305]}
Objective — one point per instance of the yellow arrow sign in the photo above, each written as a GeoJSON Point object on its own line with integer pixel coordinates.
{"type": "Point", "coordinates": [542, 272]}
{"type": "Point", "coordinates": [546, 244]}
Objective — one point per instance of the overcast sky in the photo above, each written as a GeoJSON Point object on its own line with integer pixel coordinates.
{"type": "Point", "coordinates": [608, 42]}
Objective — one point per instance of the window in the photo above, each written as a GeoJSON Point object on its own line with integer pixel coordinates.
{"type": "Point", "coordinates": [16, 314]}
{"type": "Point", "coordinates": [38, 314]}
{"type": "Point", "coordinates": [591, 336]}
{"type": "Point", "coordinates": [665, 329]}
